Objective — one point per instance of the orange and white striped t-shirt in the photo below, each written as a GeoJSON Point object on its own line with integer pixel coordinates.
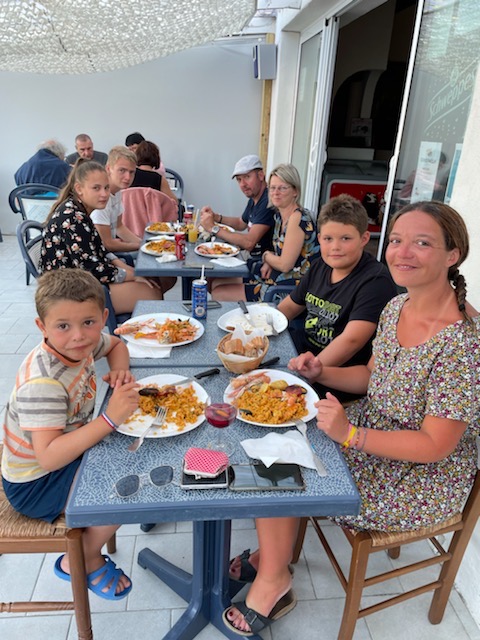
{"type": "Point", "coordinates": [50, 393]}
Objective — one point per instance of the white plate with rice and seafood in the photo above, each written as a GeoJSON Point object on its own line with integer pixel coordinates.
{"type": "Point", "coordinates": [161, 330]}
{"type": "Point", "coordinates": [185, 405]}
{"type": "Point", "coordinates": [159, 245]}
{"type": "Point", "coordinates": [271, 398]}
{"type": "Point", "coordinates": [216, 250]}
{"type": "Point", "coordinates": [167, 228]}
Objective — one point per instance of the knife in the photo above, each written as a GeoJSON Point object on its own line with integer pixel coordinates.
{"type": "Point", "coordinates": [153, 391]}
{"type": "Point", "coordinates": [244, 308]}
{"type": "Point", "coordinates": [269, 363]}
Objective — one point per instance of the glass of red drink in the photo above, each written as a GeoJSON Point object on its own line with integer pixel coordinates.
{"type": "Point", "coordinates": [220, 415]}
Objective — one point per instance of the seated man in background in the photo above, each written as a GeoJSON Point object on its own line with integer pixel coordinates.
{"type": "Point", "coordinates": [84, 149]}
{"type": "Point", "coordinates": [257, 220]}
{"type": "Point", "coordinates": [115, 236]}
{"type": "Point", "coordinates": [46, 166]}
{"type": "Point", "coordinates": [343, 293]}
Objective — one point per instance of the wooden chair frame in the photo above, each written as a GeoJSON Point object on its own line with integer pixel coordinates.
{"type": "Point", "coordinates": [364, 543]}
{"type": "Point", "coordinates": [19, 534]}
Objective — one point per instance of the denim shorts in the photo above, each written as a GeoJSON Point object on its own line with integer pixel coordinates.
{"type": "Point", "coordinates": [44, 498]}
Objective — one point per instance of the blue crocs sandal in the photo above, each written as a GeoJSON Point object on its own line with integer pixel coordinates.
{"type": "Point", "coordinates": [109, 572]}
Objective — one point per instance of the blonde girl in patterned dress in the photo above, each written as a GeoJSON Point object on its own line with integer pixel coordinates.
{"type": "Point", "coordinates": [410, 443]}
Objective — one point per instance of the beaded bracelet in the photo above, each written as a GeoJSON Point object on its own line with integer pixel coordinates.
{"type": "Point", "coordinates": [109, 421]}
{"type": "Point", "coordinates": [351, 434]}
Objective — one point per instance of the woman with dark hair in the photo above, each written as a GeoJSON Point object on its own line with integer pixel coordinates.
{"type": "Point", "coordinates": [146, 175]}
{"type": "Point", "coordinates": [410, 443]}
{"type": "Point", "coordinates": [70, 239]}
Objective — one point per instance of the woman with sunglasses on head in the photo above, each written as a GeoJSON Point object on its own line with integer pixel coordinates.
{"type": "Point", "coordinates": [294, 236]}
{"type": "Point", "coordinates": [410, 443]}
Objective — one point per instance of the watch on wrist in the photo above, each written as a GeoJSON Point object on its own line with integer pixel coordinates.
{"type": "Point", "coordinates": [215, 229]}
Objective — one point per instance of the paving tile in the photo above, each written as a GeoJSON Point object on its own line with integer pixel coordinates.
{"type": "Point", "coordinates": [19, 628]}
{"type": "Point", "coordinates": [129, 625]}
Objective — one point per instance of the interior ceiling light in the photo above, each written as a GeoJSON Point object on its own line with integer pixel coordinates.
{"type": "Point", "coordinates": [89, 36]}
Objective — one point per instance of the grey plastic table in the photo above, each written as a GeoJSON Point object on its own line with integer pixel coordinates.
{"type": "Point", "coordinates": [148, 266]}
{"type": "Point", "coordinates": [202, 352]}
{"type": "Point", "coordinates": [93, 502]}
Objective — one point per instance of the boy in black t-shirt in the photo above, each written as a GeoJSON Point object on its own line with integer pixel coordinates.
{"type": "Point", "coordinates": [343, 293]}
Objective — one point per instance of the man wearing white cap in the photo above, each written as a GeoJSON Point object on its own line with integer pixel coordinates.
{"type": "Point", "coordinates": [257, 218]}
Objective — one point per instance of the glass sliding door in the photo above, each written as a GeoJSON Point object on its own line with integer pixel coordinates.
{"type": "Point", "coordinates": [436, 108]}
{"type": "Point", "coordinates": [315, 77]}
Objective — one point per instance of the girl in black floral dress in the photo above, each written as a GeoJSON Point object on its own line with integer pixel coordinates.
{"type": "Point", "coordinates": [70, 239]}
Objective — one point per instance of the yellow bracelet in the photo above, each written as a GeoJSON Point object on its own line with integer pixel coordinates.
{"type": "Point", "coordinates": [351, 434]}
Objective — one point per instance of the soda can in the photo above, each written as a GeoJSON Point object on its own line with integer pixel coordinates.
{"type": "Point", "coordinates": [180, 245]}
{"type": "Point", "coordinates": [199, 299]}
{"type": "Point", "coordinates": [188, 217]}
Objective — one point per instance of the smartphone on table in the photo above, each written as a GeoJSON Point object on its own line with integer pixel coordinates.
{"type": "Point", "coordinates": [258, 477]}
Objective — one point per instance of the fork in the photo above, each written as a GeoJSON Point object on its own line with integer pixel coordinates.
{"type": "Point", "coordinates": [157, 422]}
{"type": "Point", "coordinates": [271, 324]}
{"type": "Point", "coordinates": [319, 466]}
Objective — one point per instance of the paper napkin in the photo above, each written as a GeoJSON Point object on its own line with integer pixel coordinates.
{"type": "Point", "coordinates": [141, 351]}
{"type": "Point", "coordinates": [166, 257]}
{"type": "Point", "coordinates": [227, 262]}
{"type": "Point", "coordinates": [288, 447]}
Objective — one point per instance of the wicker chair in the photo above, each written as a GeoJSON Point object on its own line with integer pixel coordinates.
{"type": "Point", "coordinates": [19, 534]}
{"type": "Point", "coordinates": [366, 542]}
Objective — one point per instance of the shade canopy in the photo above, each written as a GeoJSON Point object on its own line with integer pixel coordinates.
{"type": "Point", "coordinates": [89, 36]}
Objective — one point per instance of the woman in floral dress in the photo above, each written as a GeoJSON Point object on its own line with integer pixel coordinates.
{"type": "Point", "coordinates": [70, 239]}
{"type": "Point", "coordinates": [294, 236]}
{"type": "Point", "coordinates": [411, 442]}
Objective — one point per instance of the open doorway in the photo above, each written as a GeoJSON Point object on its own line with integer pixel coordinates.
{"type": "Point", "coordinates": [368, 85]}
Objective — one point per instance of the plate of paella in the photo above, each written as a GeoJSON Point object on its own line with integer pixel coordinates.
{"type": "Point", "coordinates": [161, 330]}
{"type": "Point", "coordinates": [185, 404]}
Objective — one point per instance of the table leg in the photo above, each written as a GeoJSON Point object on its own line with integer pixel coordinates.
{"type": "Point", "coordinates": [187, 288]}
{"type": "Point", "coordinates": [207, 589]}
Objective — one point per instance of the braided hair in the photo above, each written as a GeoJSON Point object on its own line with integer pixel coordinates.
{"type": "Point", "coordinates": [455, 234]}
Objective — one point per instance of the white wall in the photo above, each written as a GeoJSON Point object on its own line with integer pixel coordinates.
{"type": "Point", "coordinates": [201, 106]}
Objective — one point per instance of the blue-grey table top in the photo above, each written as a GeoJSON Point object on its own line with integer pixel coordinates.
{"type": "Point", "coordinates": [202, 351]}
{"type": "Point", "coordinates": [94, 502]}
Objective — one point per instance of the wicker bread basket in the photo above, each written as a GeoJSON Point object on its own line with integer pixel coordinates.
{"type": "Point", "coordinates": [231, 364]}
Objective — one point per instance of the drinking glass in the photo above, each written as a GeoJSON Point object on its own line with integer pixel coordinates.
{"type": "Point", "coordinates": [220, 415]}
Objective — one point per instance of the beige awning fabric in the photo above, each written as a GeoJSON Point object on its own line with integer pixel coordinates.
{"type": "Point", "coordinates": [90, 36]}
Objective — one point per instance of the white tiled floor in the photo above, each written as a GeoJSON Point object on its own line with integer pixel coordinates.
{"type": "Point", "coordinates": [152, 608]}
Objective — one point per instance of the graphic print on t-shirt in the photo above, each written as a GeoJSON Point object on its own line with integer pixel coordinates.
{"type": "Point", "coordinates": [320, 321]}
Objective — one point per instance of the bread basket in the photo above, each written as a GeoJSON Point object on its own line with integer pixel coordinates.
{"type": "Point", "coordinates": [239, 364]}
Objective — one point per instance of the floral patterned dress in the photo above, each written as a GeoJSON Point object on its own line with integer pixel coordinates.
{"type": "Point", "coordinates": [255, 286]}
{"type": "Point", "coordinates": [440, 378]}
{"type": "Point", "coordinates": [70, 240]}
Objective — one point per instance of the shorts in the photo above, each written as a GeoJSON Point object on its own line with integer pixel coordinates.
{"type": "Point", "coordinates": [44, 498]}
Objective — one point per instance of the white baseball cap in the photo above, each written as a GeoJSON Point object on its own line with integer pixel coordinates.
{"type": "Point", "coordinates": [247, 164]}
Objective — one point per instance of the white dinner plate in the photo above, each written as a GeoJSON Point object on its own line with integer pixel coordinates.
{"type": "Point", "coordinates": [222, 226]}
{"type": "Point", "coordinates": [234, 250]}
{"type": "Point", "coordinates": [171, 229]}
{"type": "Point", "coordinates": [146, 248]}
{"type": "Point", "coordinates": [257, 313]}
{"type": "Point", "coordinates": [161, 318]}
{"type": "Point", "coordinates": [139, 423]}
{"type": "Point", "coordinates": [310, 397]}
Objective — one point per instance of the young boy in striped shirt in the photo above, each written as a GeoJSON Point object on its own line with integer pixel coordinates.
{"type": "Point", "coordinates": [48, 420]}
